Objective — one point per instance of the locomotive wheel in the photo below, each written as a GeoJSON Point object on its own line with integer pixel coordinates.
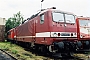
{"type": "Point", "coordinates": [27, 45]}
{"type": "Point", "coordinates": [42, 49]}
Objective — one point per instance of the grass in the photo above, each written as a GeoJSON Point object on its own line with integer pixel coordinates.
{"type": "Point", "coordinates": [19, 52]}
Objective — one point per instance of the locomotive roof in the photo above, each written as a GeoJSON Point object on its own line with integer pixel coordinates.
{"type": "Point", "coordinates": [55, 10]}
{"type": "Point", "coordinates": [83, 18]}
{"type": "Point", "coordinates": [45, 10]}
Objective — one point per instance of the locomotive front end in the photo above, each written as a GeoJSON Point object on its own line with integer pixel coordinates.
{"type": "Point", "coordinates": [83, 27]}
{"type": "Point", "coordinates": [63, 32]}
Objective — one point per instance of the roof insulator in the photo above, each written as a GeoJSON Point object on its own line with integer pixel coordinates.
{"type": "Point", "coordinates": [53, 7]}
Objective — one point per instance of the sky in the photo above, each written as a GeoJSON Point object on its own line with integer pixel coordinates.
{"type": "Point", "coordinates": [30, 7]}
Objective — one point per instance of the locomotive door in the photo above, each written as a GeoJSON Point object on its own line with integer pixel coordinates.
{"type": "Point", "coordinates": [34, 30]}
{"type": "Point", "coordinates": [41, 28]}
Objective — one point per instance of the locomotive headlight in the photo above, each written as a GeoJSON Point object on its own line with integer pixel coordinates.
{"type": "Point", "coordinates": [55, 34]}
{"type": "Point", "coordinates": [81, 36]}
{"type": "Point", "coordinates": [71, 34]}
{"type": "Point", "coordinates": [75, 34]}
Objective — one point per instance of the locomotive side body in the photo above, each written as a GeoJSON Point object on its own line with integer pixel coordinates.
{"type": "Point", "coordinates": [83, 30]}
{"type": "Point", "coordinates": [25, 32]}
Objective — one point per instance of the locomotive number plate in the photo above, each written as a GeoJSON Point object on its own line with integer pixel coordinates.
{"type": "Point", "coordinates": [65, 34]}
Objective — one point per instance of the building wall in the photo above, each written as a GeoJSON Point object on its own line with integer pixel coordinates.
{"type": "Point", "coordinates": [2, 21]}
{"type": "Point", "coordinates": [2, 28]}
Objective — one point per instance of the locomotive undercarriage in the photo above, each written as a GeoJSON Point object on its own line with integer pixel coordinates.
{"type": "Point", "coordinates": [61, 48]}
{"type": "Point", "coordinates": [57, 48]}
{"type": "Point", "coordinates": [83, 45]}
{"type": "Point", "coordinates": [64, 48]}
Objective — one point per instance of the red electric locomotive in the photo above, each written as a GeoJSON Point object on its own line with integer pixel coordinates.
{"type": "Point", "coordinates": [49, 30]}
{"type": "Point", "coordinates": [10, 34]}
{"type": "Point", "coordinates": [83, 30]}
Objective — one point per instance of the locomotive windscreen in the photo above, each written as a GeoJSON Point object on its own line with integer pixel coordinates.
{"type": "Point", "coordinates": [63, 17]}
{"type": "Point", "coordinates": [84, 27]}
{"type": "Point", "coordinates": [84, 23]}
{"type": "Point", "coordinates": [69, 18]}
{"type": "Point", "coordinates": [58, 17]}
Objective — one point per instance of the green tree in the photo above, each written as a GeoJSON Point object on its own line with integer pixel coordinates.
{"type": "Point", "coordinates": [8, 24]}
{"type": "Point", "coordinates": [17, 19]}
{"type": "Point", "coordinates": [14, 21]}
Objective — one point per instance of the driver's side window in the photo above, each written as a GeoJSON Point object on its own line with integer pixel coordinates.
{"type": "Point", "coordinates": [41, 18]}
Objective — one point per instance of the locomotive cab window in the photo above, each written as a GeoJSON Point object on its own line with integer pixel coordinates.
{"type": "Point", "coordinates": [58, 17]}
{"type": "Point", "coordinates": [84, 23]}
{"type": "Point", "coordinates": [42, 19]}
{"type": "Point", "coordinates": [69, 18]}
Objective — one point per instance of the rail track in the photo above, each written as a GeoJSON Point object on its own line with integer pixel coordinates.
{"type": "Point", "coordinates": [6, 56]}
